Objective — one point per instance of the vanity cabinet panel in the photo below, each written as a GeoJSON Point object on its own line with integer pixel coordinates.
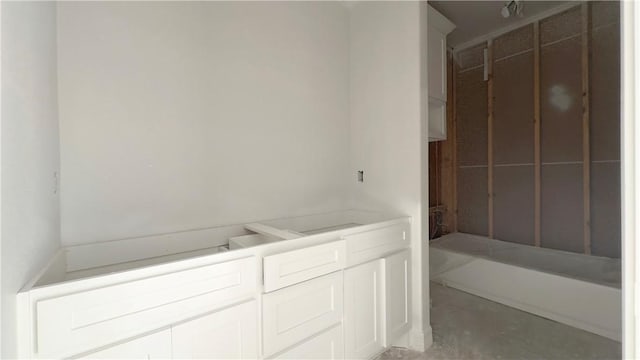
{"type": "Point", "coordinates": [299, 265]}
{"type": "Point", "coordinates": [397, 295]}
{"type": "Point", "coordinates": [364, 310]}
{"type": "Point", "coordinates": [373, 244]}
{"type": "Point", "coordinates": [295, 313]}
{"type": "Point", "coordinates": [87, 320]}
{"type": "Point", "coordinates": [154, 346]}
{"type": "Point", "coordinates": [227, 334]}
{"type": "Point", "coordinates": [328, 345]}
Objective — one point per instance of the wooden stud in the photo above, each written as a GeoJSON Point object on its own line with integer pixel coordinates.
{"type": "Point", "coordinates": [490, 135]}
{"type": "Point", "coordinates": [536, 133]}
{"type": "Point", "coordinates": [586, 167]}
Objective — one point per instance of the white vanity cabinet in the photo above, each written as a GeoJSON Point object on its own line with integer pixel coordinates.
{"type": "Point", "coordinates": [149, 347]}
{"type": "Point", "coordinates": [226, 334]}
{"type": "Point", "coordinates": [364, 310]}
{"type": "Point", "coordinates": [397, 295]}
{"type": "Point", "coordinates": [439, 27]}
{"type": "Point", "coordinates": [333, 294]}
{"type": "Point", "coordinates": [327, 345]}
{"type": "Point", "coordinates": [377, 305]}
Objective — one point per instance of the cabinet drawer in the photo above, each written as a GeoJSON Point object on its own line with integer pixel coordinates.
{"type": "Point", "coordinates": [227, 334]}
{"type": "Point", "coordinates": [293, 314]}
{"type": "Point", "coordinates": [370, 245]}
{"type": "Point", "coordinates": [154, 346]}
{"type": "Point", "coordinates": [325, 346]}
{"type": "Point", "coordinates": [87, 320]}
{"type": "Point", "coordinates": [296, 266]}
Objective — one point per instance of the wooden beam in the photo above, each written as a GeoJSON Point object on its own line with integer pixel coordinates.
{"type": "Point", "coordinates": [536, 133]}
{"type": "Point", "coordinates": [586, 154]}
{"type": "Point", "coordinates": [490, 136]}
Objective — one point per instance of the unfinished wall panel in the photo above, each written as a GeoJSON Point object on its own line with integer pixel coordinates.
{"type": "Point", "coordinates": [605, 129]}
{"type": "Point", "coordinates": [605, 13]}
{"type": "Point", "coordinates": [471, 143]}
{"type": "Point", "coordinates": [605, 209]}
{"type": "Point", "coordinates": [513, 203]}
{"type": "Point", "coordinates": [472, 200]}
{"type": "Point", "coordinates": [513, 109]}
{"type": "Point", "coordinates": [562, 217]}
{"type": "Point", "coordinates": [513, 42]}
{"type": "Point", "coordinates": [471, 122]}
{"type": "Point", "coordinates": [561, 101]}
{"type": "Point", "coordinates": [471, 58]}
{"type": "Point", "coordinates": [605, 93]}
{"type": "Point", "coordinates": [561, 26]}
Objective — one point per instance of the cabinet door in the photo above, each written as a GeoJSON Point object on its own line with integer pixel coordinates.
{"type": "Point", "coordinates": [226, 334]}
{"type": "Point", "coordinates": [154, 346]}
{"type": "Point", "coordinates": [328, 345]}
{"type": "Point", "coordinates": [437, 49]}
{"type": "Point", "coordinates": [295, 313]}
{"type": "Point", "coordinates": [363, 311]}
{"type": "Point", "coordinates": [397, 293]}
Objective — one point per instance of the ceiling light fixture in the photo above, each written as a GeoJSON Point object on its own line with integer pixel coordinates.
{"type": "Point", "coordinates": [511, 8]}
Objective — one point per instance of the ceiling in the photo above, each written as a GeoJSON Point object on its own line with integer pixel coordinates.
{"type": "Point", "coordinates": [476, 18]}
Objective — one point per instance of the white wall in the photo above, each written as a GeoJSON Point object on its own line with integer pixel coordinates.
{"type": "Point", "coordinates": [386, 139]}
{"type": "Point", "coordinates": [30, 155]}
{"type": "Point", "coordinates": [176, 116]}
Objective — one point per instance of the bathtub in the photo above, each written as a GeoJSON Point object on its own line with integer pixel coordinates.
{"type": "Point", "coordinates": [578, 290]}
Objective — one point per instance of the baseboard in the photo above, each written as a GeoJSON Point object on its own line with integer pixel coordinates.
{"type": "Point", "coordinates": [421, 339]}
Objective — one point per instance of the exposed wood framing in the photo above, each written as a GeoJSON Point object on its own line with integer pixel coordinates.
{"type": "Point", "coordinates": [536, 133]}
{"type": "Point", "coordinates": [586, 167]}
{"type": "Point", "coordinates": [490, 136]}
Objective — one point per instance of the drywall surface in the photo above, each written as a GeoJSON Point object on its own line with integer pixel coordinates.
{"type": "Point", "coordinates": [386, 134]}
{"type": "Point", "coordinates": [177, 116]}
{"type": "Point", "coordinates": [30, 155]}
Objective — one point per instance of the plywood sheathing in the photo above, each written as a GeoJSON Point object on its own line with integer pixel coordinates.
{"type": "Point", "coordinates": [605, 129]}
{"type": "Point", "coordinates": [472, 204]}
{"type": "Point", "coordinates": [605, 209]}
{"type": "Point", "coordinates": [514, 203]}
{"type": "Point", "coordinates": [562, 216]}
{"type": "Point", "coordinates": [471, 118]}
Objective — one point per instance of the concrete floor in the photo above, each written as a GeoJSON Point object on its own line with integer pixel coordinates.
{"type": "Point", "coordinates": [469, 327]}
